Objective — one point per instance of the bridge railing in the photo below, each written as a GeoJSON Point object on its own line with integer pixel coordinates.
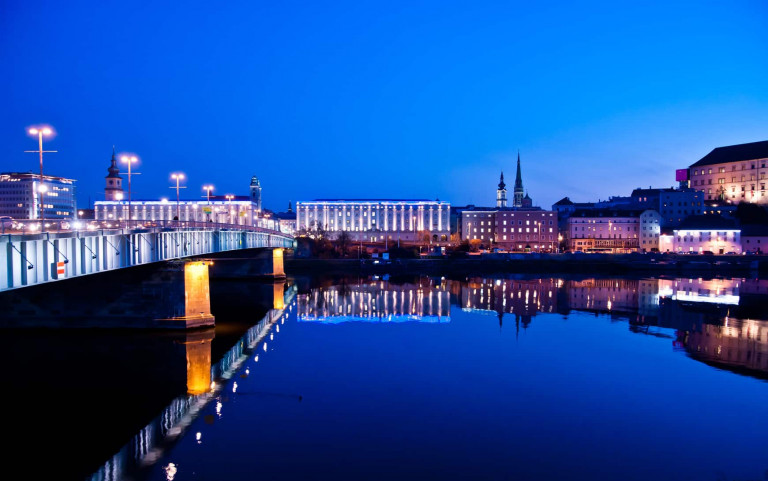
{"type": "Point", "coordinates": [35, 226]}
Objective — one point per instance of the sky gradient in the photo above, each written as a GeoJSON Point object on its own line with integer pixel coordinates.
{"type": "Point", "coordinates": [394, 99]}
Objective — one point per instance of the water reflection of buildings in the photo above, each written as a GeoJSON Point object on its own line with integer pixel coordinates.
{"type": "Point", "coordinates": [716, 321]}
{"type": "Point", "coordinates": [377, 301]}
{"type": "Point", "coordinates": [738, 345]}
{"type": "Point", "coordinates": [522, 298]}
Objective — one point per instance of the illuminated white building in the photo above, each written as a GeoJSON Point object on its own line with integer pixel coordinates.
{"type": "Point", "coordinates": [703, 234]}
{"type": "Point", "coordinates": [377, 220]}
{"type": "Point", "coordinates": [20, 199]}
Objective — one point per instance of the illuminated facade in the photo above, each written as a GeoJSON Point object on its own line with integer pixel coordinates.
{"type": "Point", "coordinates": [604, 231]}
{"type": "Point", "coordinates": [650, 230]}
{"type": "Point", "coordinates": [705, 234]}
{"type": "Point", "coordinates": [517, 230]}
{"type": "Point", "coordinates": [237, 210]}
{"type": "Point", "coordinates": [20, 199]}
{"type": "Point", "coordinates": [733, 174]}
{"type": "Point", "coordinates": [377, 220]}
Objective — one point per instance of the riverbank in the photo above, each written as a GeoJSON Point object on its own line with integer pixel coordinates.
{"type": "Point", "coordinates": [538, 263]}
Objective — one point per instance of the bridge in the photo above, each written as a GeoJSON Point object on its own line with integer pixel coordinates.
{"type": "Point", "coordinates": [31, 254]}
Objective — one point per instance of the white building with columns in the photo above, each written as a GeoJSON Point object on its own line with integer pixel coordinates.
{"type": "Point", "coordinates": [377, 220]}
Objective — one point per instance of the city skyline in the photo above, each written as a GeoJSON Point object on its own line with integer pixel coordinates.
{"type": "Point", "coordinates": [318, 111]}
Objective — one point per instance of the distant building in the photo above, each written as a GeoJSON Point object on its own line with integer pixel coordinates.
{"type": "Point", "coordinates": [516, 230]}
{"type": "Point", "coordinates": [20, 199]}
{"type": "Point", "coordinates": [754, 239]}
{"type": "Point", "coordinates": [287, 220]}
{"type": "Point", "coordinates": [256, 193]}
{"type": "Point", "coordinates": [704, 233]}
{"type": "Point", "coordinates": [377, 220]}
{"type": "Point", "coordinates": [113, 187]}
{"type": "Point", "coordinates": [650, 230]}
{"type": "Point", "coordinates": [603, 230]}
{"type": "Point", "coordinates": [733, 174]}
{"type": "Point", "coordinates": [240, 210]}
{"type": "Point", "coordinates": [675, 205]}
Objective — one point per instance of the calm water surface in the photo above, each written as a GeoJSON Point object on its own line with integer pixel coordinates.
{"type": "Point", "coordinates": [495, 379]}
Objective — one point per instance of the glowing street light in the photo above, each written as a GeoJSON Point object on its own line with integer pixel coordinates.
{"type": "Point", "coordinates": [229, 197]}
{"type": "Point", "coordinates": [129, 159]}
{"type": "Point", "coordinates": [40, 131]}
{"type": "Point", "coordinates": [177, 177]}
{"type": "Point", "coordinates": [208, 189]}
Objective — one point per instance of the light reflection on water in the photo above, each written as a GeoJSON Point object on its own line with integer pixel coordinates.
{"type": "Point", "coordinates": [437, 394]}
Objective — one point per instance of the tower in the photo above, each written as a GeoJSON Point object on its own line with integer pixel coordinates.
{"type": "Point", "coordinates": [518, 192]}
{"type": "Point", "coordinates": [256, 193]}
{"type": "Point", "coordinates": [113, 189]}
{"type": "Point", "coordinates": [501, 193]}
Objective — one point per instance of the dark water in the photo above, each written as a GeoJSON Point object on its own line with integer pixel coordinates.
{"type": "Point", "coordinates": [419, 378]}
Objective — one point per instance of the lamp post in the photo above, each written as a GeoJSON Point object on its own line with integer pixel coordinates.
{"type": "Point", "coordinates": [208, 189]}
{"type": "Point", "coordinates": [129, 159]}
{"type": "Point", "coordinates": [229, 197]}
{"type": "Point", "coordinates": [178, 177]}
{"type": "Point", "coordinates": [40, 131]}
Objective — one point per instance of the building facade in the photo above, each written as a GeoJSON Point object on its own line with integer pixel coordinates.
{"type": "Point", "coordinates": [20, 198]}
{"type": "Point", "coordinates": [732, 174]}
{"type": "Point", "coordinates": [238, 211]}
{"type": "Point", "coordinates": [650, 230]}
{"type": "Point", "coordinates": [377, 220]}
{"type": "Point", "coordinates": [515, 230]}
{"type": "Point", "coordinates": [676, 205]}
{"type": "Point", "coordinates": [704, 234]}
{"type": "Point", "coordinates": [604, 231]}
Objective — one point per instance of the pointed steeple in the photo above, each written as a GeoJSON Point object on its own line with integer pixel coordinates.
{"type": "Point", "coordinates": [501, 193]}
{"type": "Point", "coordinates": [517, 200]}
{"type": "Point", "coordinates": [113, 189]}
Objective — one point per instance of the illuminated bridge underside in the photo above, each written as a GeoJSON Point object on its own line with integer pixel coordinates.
{"type": "Point", "coordinates": [28, 260]}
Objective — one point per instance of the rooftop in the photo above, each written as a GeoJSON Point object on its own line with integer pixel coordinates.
{"type": "Point", "coordinates": [735, 153]}
{"type": "Point", "coordinates": [707, 221]}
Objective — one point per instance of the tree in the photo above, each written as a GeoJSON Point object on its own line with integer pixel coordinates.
{"type": "Point", "coordinates": [342, 242]}
{"type": "Point", "coordinates": [474, 245]}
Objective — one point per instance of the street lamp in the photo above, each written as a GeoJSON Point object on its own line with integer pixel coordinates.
{"type": "Point", "coordinates": [177, 177]}
{"type": "Point", "coordinates": [40, 131]}
{"type": "Point", "coordinates": [229, 197]}
{"type": "Point", "coordinates": [208, 189]}
{"type": "Point", "coordinates": [129, 159]}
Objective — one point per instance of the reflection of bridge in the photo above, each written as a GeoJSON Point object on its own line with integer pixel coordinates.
{"type": "Point", "coordinates": [31, 259]}
{"type": "Point", "coordinates": [204, 383]}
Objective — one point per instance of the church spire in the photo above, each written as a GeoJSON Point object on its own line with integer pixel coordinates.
{"type": "Point", "coordinates": [518, 192]}
{"type": "Point", "coordinates": [501, 193]}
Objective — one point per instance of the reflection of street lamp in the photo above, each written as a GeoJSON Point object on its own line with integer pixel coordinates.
{"type": "Point", "coordinates": [229, 197]}
{"type": "Point", "coordinates": [129, 160]}
{"type": "Point", "coordinates": [177, 177]}
{"type": "Point", "coordinates": [208, 189]}
{"type": "Point", "coordinates": [41, 188]}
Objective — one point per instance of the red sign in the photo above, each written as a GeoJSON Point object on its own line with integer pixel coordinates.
{"type": "Point", "coordinates": [60, 268]}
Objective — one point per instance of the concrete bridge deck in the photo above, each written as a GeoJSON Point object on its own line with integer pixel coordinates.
{"type": "Point", "coordinates": [28, 259]}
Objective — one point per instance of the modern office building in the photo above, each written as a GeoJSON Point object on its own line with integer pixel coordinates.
{"type": "Point", "coordinates": [377, 220]}
{"type": "Point", "coordinates": [732, 174]}
{"type": "Point", "coordinates": [20, 199]}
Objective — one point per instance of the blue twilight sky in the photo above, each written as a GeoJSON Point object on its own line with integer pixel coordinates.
{"type": "Point", "coordinates": [382, 99]}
